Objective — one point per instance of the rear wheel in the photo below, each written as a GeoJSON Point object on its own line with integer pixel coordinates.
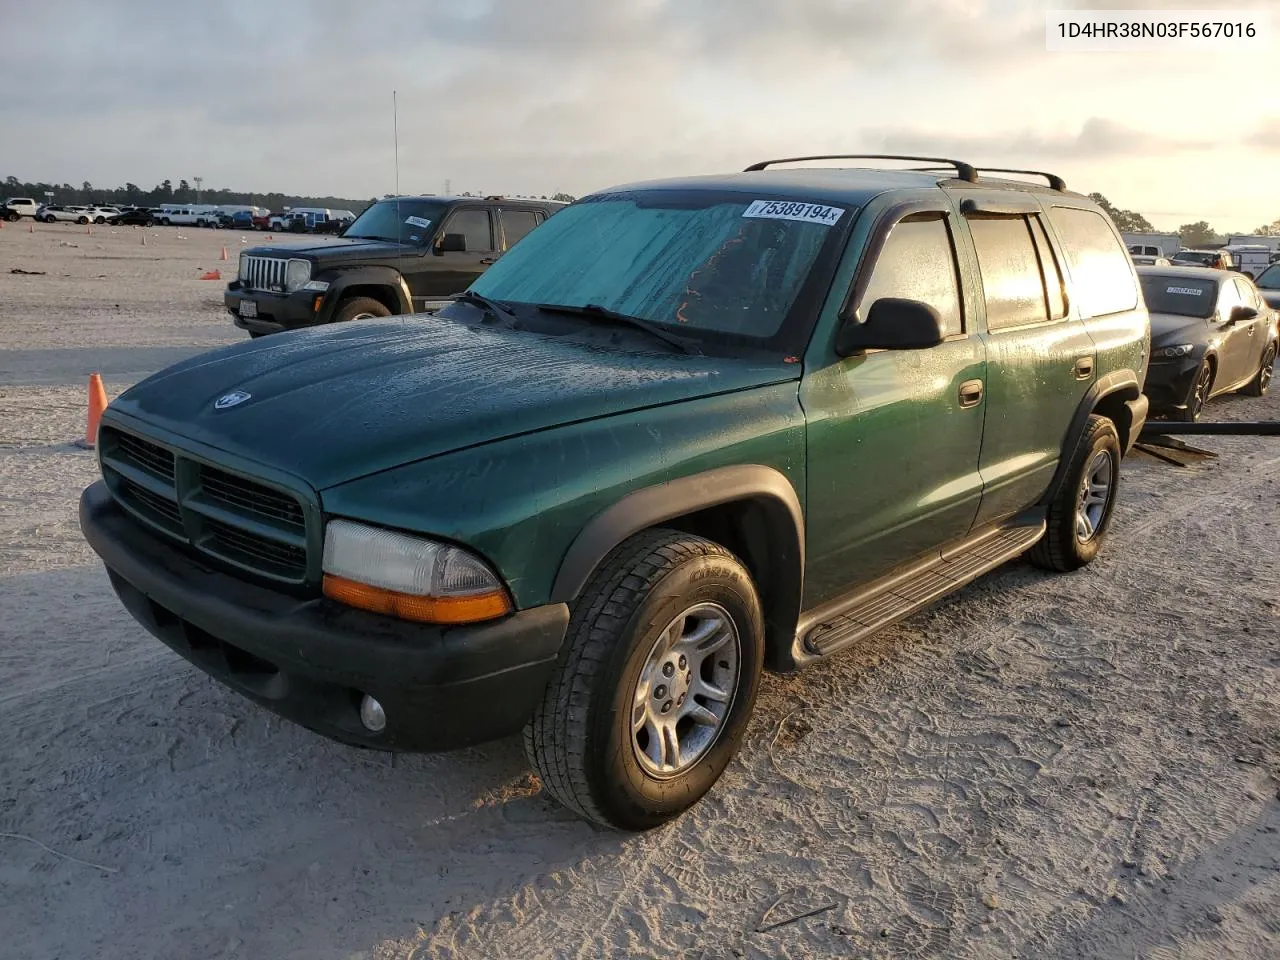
{"type": "Point", "coordinates": [12, 216]}
{"type": "Point", "coordinates": [82, 220]}
{"type": "Point", "coordinates": [100, 220]}
{"type": "Point", "coordinates": [1261, 381]}
{"type": "Point", "coordinates": [1080, 513]}
{"type": "Point", "coordinates": [655, 682]}
{"type": "Point", "coordinates": [360, 308]}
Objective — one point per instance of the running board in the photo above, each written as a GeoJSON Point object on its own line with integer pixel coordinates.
{"type": "Point", "coordinates": [900, 597]}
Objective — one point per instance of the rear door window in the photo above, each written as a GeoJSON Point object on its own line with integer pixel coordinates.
{"type": "Point", "coordinates": [1012, 281]}
{"type": "Point", "coordinates": [1101, 276]}
{"type": "Point", "coordinates": [516, 224]}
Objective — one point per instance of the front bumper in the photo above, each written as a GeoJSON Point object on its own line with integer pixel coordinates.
{"type": "Point", "coordinates": [1169, 382]}
{"type": "Point", "coordinates": [312, 660]}
{"type": "Point", "coordinates": [276, 311]}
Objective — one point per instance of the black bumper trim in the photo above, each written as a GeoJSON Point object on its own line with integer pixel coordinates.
{"type": "Point", "coordinates": [310, 660]}
{"type": "Point", "coordinates": [276, 312]}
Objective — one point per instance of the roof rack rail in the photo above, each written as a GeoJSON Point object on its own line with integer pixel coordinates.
{"type": "Point", "coordinates": [1055, 181]}
{"type": "Point", "coordinates": [965, 171]}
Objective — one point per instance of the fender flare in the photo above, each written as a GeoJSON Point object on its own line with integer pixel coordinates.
{"type": "Point", "coordinates": [372, 276]}
{"type": "Point", "coordinates": [764, 488]}
{"type": "Point", "coordinates": [1120, 384]}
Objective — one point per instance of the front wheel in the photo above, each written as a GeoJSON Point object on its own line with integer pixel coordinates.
{"type": "Point", "coordinates": [1080, 512]}
{"type": "Point", "coordinates": [1197, 396]}
{"type": "Point", "coordinates": [360, 308]}
{"type": "Point", "coordinates": [1261, 382]}
{"type": "Point", "coordinates": [100, 220]}
{"type": "Point", "coordinates": [655, 682]}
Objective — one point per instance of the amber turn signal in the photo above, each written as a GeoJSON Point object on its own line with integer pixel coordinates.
{"type": "Point", "coordinates": [406, 606]}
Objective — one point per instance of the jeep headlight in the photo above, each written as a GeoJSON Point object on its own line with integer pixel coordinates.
{"type": "Point", "coordinates": [1174, 352]}
{"type": "Point", "coordinates": [296, 273]}
{"type": "Point", "coordinates": [409, 577]}
{"type": "Point", "coordinates": [243, 273]}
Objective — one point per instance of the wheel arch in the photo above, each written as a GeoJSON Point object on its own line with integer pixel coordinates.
{"type": "Point", "coordinates": [377, 283]}
{"type": "Point", "coordinates": [750, 509]}
{"type": "Point", "coordinates": [1117, 396]}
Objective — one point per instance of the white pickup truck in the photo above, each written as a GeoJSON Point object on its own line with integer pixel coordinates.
{"type": "Point", "coordinates": [15, 208]}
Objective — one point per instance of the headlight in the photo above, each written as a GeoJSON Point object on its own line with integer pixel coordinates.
{"type": "Point", "coordinates": [296, 273]}
{"type": "Point", "coordinates": [1172, 353]}
{"type": "Point", "coordinates": [408, 577]}
{"type": "Point", "coordinates": [243, 273]}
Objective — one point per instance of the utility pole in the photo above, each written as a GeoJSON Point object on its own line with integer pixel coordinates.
{"type": "Point", "coordinates": [198, 181]}
{"type": "Point", "coordinates": [447, 185]}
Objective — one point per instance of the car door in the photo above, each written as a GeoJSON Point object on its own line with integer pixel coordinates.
{"type": "Point", "coordinates": [893, 436]}
{"type": "Point", "coordinates": [1040, 358]}
{"type": "Point", "coordinates": [1235, 349]}
{"type": "Point", "coordinates": [452, 271]}
{"type": "Point", "coordinates": [1248, 338]}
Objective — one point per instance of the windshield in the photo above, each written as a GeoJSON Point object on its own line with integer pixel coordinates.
{"type": "Point", "coordinates": [1269, 279]}
{"type": "Point", "coordinates": [1196, 256]}
{"type": "Point", "coordinates": [700, 263]}
{"type": "Point", "coordinates": [403, 221]}
{"type": "Point", "coordinates": [1189, 298]}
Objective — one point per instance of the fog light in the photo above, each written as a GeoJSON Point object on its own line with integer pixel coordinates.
{"type": "Point", "coordinates": [372, 715]}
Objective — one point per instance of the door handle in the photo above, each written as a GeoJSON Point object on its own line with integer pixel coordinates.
{"type": "Point", "coordinates": [1084, 368]}
{"type": "Point", "coordinates": [970, 393]}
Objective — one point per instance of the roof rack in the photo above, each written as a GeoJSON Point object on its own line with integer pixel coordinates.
{"type": "Point", "coordinates": [1055, 181]}
{"type": "Point", "coordinates": [965, 171]}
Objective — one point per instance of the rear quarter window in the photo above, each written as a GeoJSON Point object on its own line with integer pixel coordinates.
{"type": "Point", "coordinates": [1101, 277]}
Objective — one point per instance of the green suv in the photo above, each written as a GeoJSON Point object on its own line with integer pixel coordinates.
{"type": "Point", "coordinates": [686, 431]}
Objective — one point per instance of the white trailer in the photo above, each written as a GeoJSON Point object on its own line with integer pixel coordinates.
{"type": "Point", "coordinates": [1248, 240]}
{"type": "Point", "coordinates": [1250, 259]}
{"type": "Point", "coordinates": [1152, 244]}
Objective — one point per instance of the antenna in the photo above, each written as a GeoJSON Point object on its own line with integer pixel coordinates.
{"type": "Point", "coordinates": [395, 128]}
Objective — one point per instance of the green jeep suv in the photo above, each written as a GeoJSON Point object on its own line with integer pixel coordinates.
{"type": "Point", "coordinates": [687, 430]}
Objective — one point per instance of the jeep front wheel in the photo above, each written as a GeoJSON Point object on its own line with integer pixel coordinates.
{"type": "Point", "coordinates": [1080, 511]}
{"type": "Point", "coordinates": [655, 682]}
{"type": "Point", "coordinates": [360, 308]}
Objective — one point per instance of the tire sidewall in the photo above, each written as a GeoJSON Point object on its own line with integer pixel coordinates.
{"type": "Point", "coordinates": [1104, 438]}
{"type": "Point", "coordinates": [621, 785]}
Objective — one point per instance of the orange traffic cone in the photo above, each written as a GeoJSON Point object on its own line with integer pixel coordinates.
{"type": "Point", "coordinates": [144, 238]}
{"type": "Point", "coordinates": [224, 254]}
{"type": "Point", "coordinates": [97, 404]}
{"type": "Point", "coordinates": [88, 229]}
{"type": "Point", "coordinates": [212, 275]}
{"type": "Point", "coordinates": [31, 228]}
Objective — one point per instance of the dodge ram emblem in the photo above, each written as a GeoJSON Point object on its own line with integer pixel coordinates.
{"type": "Point", "coordinates": [231, 399]}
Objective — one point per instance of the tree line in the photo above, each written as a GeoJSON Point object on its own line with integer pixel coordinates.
{"type": "Point", "coordinates": [165, 192]}
{"type": "Point", "coordinates": [1198, 234]}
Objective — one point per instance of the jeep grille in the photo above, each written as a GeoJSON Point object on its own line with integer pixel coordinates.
{"type": "Point", "coordinates": [258, 527]}
{"type": "Point", "coordinates": [263, 273]}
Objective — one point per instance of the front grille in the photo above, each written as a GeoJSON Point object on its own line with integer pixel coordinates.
{"type": "Point", "coordinates": [155, 460]}
{"type": "Point", "coordinates": [254, 550]}
{"type": "Point", "coordinates": [263, 273]}
{"type": "Point", "coordinates": [262, 529]}
{"type": "Point", "coordinates": [245, 496]}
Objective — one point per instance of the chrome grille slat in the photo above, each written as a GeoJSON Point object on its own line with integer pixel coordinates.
{"type": "Point", "coordinates": [264, 273]}
{"type": "Point", "coordinates": [251, 498]}
{"type": "Point", "coordinates": [146, 456]}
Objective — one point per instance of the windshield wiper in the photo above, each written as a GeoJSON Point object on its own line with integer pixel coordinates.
{"type": "Point", "coordinates": [494, 307]}
{"type": "Point", "coordinates": [594, 311]}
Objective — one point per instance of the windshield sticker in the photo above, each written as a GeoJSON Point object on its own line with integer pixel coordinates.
{"type": "Point", "coordinates": [1186, 291]}
{"type": "Point", "coordinates": [417, 222]}
{"type": "Point", "coordinates": [786, 210]}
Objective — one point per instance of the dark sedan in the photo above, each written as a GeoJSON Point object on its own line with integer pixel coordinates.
{"type": "Point", "coordinates": [1269, 285]}
{"type": "Point", "coordinates": [135, 218]}
{"type": "Point", "coordinates": [1211, 333]}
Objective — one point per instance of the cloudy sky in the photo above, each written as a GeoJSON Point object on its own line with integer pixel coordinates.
{"type": "Point", "coordinates": [538, 96]}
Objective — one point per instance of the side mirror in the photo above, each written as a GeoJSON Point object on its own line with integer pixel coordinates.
{"type": "Point", "coordinates": [452, 243]}
{"type": "Point", "coordinates": [892, 324]}
{"type": "Point", "coordinates": [1241, 314]}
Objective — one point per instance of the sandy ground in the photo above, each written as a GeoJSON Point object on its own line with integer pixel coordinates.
{"type": "Point", "coordinates": [1041, 766]}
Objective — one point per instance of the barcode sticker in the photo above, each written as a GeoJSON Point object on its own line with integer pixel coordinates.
{"type": "Point", "coordinates": [417, 222]}
{"type": "Point", "coordinates": [791, 210]}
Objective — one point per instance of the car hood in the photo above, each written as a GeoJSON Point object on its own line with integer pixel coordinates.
{"type": "Point", "coordinates": [335, 403]}
{"type": "Point", "coordinates": [340, 250]}
{"type": "Point", "coordinates": [1167, 328]}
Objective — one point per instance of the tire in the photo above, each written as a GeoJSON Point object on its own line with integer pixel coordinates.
{"type": "Point", "coordinates": [1198, 395]}
{"type": "Point", "coordinates": [1066, 544]}
{"type": "Point", "coordinates": [360, 308]}
{"type": "Point", "coordinates": [164, 221]}
{"type": "Point", "coordinates": [581, 740]}
{"type": "Point", "coordinates": [100, 220]}
{"type": "Point", "coordinates": [1261, 382]}
{"type": "Point", "coordinates": [82, 220]}
{"type": "Point", "coordinates": [12, 216]}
